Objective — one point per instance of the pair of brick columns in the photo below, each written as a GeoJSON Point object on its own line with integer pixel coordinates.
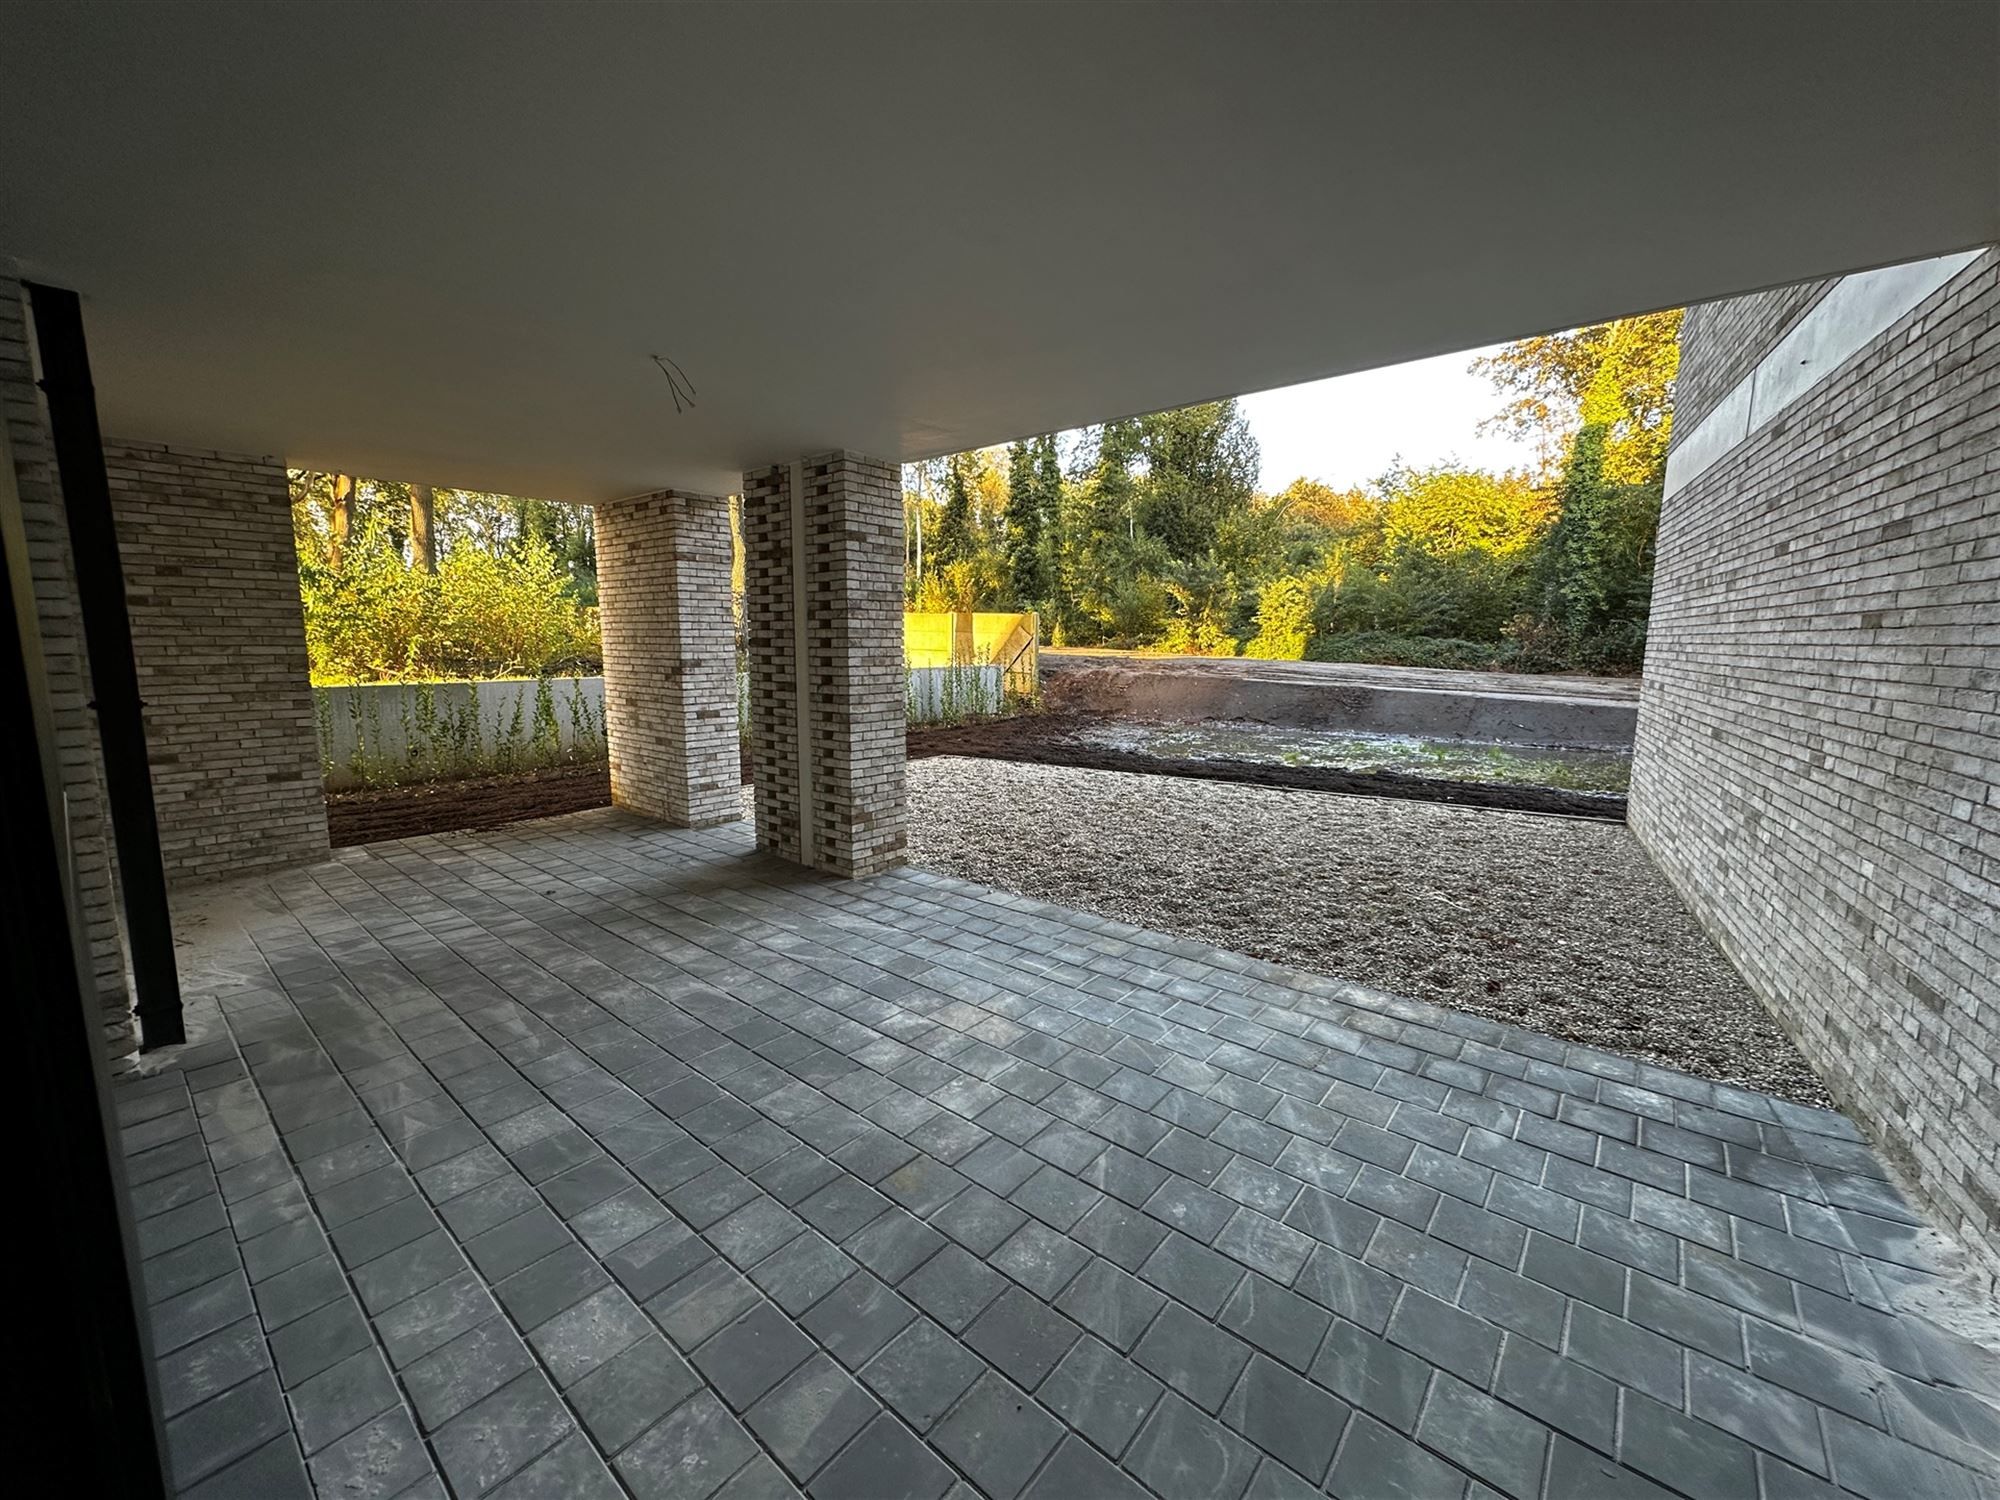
{"type": "Point", "coordinates": [823, 605]}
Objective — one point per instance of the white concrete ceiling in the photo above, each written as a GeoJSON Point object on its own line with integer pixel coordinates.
{"type": "Point", "coordinates": [439, 242]}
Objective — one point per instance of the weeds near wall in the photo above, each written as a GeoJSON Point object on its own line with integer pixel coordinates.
{"type": "Point", "coordinates": [446, 739]}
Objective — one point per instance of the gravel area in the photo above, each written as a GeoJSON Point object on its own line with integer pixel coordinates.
{"type": "Point", "coordinates": [1559, 925]}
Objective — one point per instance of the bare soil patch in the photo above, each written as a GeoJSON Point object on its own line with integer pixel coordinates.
{"type": "Point", "coordinates": [398, 812]}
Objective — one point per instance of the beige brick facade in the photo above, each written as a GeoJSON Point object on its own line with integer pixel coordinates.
{"type": "Point", "coordinates": [832, 796]}
{"type": "Point", "coordinates": [1818, 758]}
{"type": "Point", "coordinates": [670, 657]}
{"type": "Point", "coordinates": [211, 579]}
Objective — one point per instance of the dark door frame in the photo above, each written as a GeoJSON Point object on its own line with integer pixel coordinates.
{"type": "Point", "coordinates": [114, 674]}
{"type": "Point", "coordinates": [82, 1398]}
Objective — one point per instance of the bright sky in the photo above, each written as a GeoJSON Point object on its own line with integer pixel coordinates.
{"type": "Point", "coordinates": [1348, 430]}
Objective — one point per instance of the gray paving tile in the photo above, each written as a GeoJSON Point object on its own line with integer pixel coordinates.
{"type": "Point", "coordinates": [1627, 1353]}
{"type": "Point", "coordinates": [341, 1398]}
{"type": "Point", "coordinates": [997, 1436]}
{"type": "Point", "coordinates": [1767, 1415]}
{"type": "Point", "coordinates": [689, 1453]}
{"type": "Point", "coordinates": [1684, 1453]}
{"type": "Point", "coordinates": [211, 1364]}
{"type": "Point", "coordinates": [1182, 1454]}
{"type": "Point", "coordinates": [810, 1415]}
{"type": "Point", "coordinates": [884, 1460]}
{"type": "Point", "coordinates": [382, 1459]}
{"type": "Point", "coordinates": [272, 1472]}
{"type": "Point", "coordinates": [465, 1370]}
{"type": "Point", "coordinates": [752, 1354]}
{"type": "Point", "coordinates": [1286, 1416]}
{"type": "Point", "coordinates": [571, 1470]}
{"type": "Point", "coordinates": [857, 1318]}
{"type": "Point", "coordinates": [1100, 1394]}
{"type": "Point", "coordinates": [1281, 1323]}
{"type": "Point", "coordinates": [921, 1372]}
{"type": "Point", "coordinates": [1374, 1375]}
{"type": "Point", "coordinates": [1022, 1337]}
{"type": "Point", "coordinates": [1192, 1273]}
{"type": "Point", "coordinates": [1040, 1259]}
{"type": "Point", "coordinates": [1111, 1303]}
{"type": "Point", "coordinates": [579, 1339]}
{"type": "Point", "coordinates": [953, 1287]}
{"type": "Point", "coordinates": [318, 1341]}
{"type": "Point", "coordinates": [1196, 1358]}
{"type": "Point", "coordinates": [1377, 1464]}
{"type": "Point", "coordinates": [1448, 1338]}
{"type": "Point", "coordinates": [702, 1301]}
{"type": "Point", "coordinates": [632, 1390]}
{"type": "Point", "coordinates": [802, 1272]}
{"type": "Point", "coordinates": [999, 1120]}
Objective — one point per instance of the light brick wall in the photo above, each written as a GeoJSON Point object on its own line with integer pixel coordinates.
{"type": "Point", "coordinates": [663, 564]}
{"type": "Point", "coordinates": [67, 669]}
{"type": "Point", "coordinates": [211, 579]}
{"type": "Point", "coordinates": [1722, 341]}
{"type": "Point", "coordinates": [851, 778]}
{"type": "Point", "coordinates": [1818, 759]}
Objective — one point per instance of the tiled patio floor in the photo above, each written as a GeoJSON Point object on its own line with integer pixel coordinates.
{"type": "Point", "coordinates": [590, 1157]}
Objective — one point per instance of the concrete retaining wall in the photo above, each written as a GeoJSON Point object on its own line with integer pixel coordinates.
{"type": "Point", "coordinates": [940, 693]}
{"type": "Point", "coordinates": [378, 732]}
{"type": "Point", "coordinates": [1313, 695]}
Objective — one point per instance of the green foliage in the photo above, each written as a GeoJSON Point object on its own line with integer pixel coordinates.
{"type": "Point", "coordinates": [503, 602]}
{"type": "Point", "coordinates": [1284, 621]}
{"type": "Point", "coordinates": [1156, 536]}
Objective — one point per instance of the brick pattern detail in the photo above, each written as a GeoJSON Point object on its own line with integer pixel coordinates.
{"type": "Point", "coordinates": [1818, 757]}
{"type": "Point", "coordinates": [211, 578]}
{"type": "Point", "coordinates": [854, 507]}
{"type": "Point", "coordinates": [66, 670]}
{"type": "Point", "coordinates": [663, 563]}
{"type": "Point", "coordinates": [775, 742]}
{"type": "Point", "coordinates": [1722, 341]}
{"type": "Point", "coordinates": [854, 739]}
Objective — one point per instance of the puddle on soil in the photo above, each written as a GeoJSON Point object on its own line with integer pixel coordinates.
{"type": "Point", "coordinates": [1455, 760]}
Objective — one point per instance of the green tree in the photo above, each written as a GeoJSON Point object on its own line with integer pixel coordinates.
{"type": "Point", "coordinates": [954, 540]}
{"type": "Point", "coordinates": [1034, 490]}
{"type": "Point", "coordinates": [1201, 466]}
{"type": "Point", "coordinates": [1630, 362]}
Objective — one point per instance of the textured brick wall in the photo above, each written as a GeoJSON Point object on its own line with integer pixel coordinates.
{"type": "Point", "coordinates": [776, 745]}
{"type": "Point", "coordinates": [848, 788]}
{"type": "Point", "coordinates": [211, 580]}
{"type": "Point", "coordinates": [1721, 341]}
{"type": "Point", "coordinates": [1818, 757]}
{"type": "Point", "coordinates": [663, 565]}
{"type": "Point", "coordinates": [67, 668]}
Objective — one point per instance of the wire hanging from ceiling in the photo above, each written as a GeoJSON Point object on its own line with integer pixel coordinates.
{"type": "Point", "coordinates": [677, 382]}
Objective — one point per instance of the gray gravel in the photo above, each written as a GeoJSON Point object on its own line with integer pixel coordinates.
{"type": "Point", "coordinates": [1559, 925]}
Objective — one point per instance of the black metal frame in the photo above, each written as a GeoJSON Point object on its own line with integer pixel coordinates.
{"type": "Point", "coordinates": [81, 1410]}
{"type": "Point", "coordinates": [114, 675]}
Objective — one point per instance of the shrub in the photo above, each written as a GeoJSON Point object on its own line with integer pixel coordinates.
{"type": "Point", "coordinates": [375, 619]}
{"type": "Point", "coordinates": [1284, 621]}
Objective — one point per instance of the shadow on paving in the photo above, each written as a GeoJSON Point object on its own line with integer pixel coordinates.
{"type": "Point", "coordinates": [591, 1158]}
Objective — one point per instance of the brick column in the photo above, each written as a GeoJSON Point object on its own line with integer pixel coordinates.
{"type": "Point", "coordinates": [669, 657]}
{"type": "Point", "coordinates": [212, 581]}
{"type": "Point", "coordinates": [824, 598]}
